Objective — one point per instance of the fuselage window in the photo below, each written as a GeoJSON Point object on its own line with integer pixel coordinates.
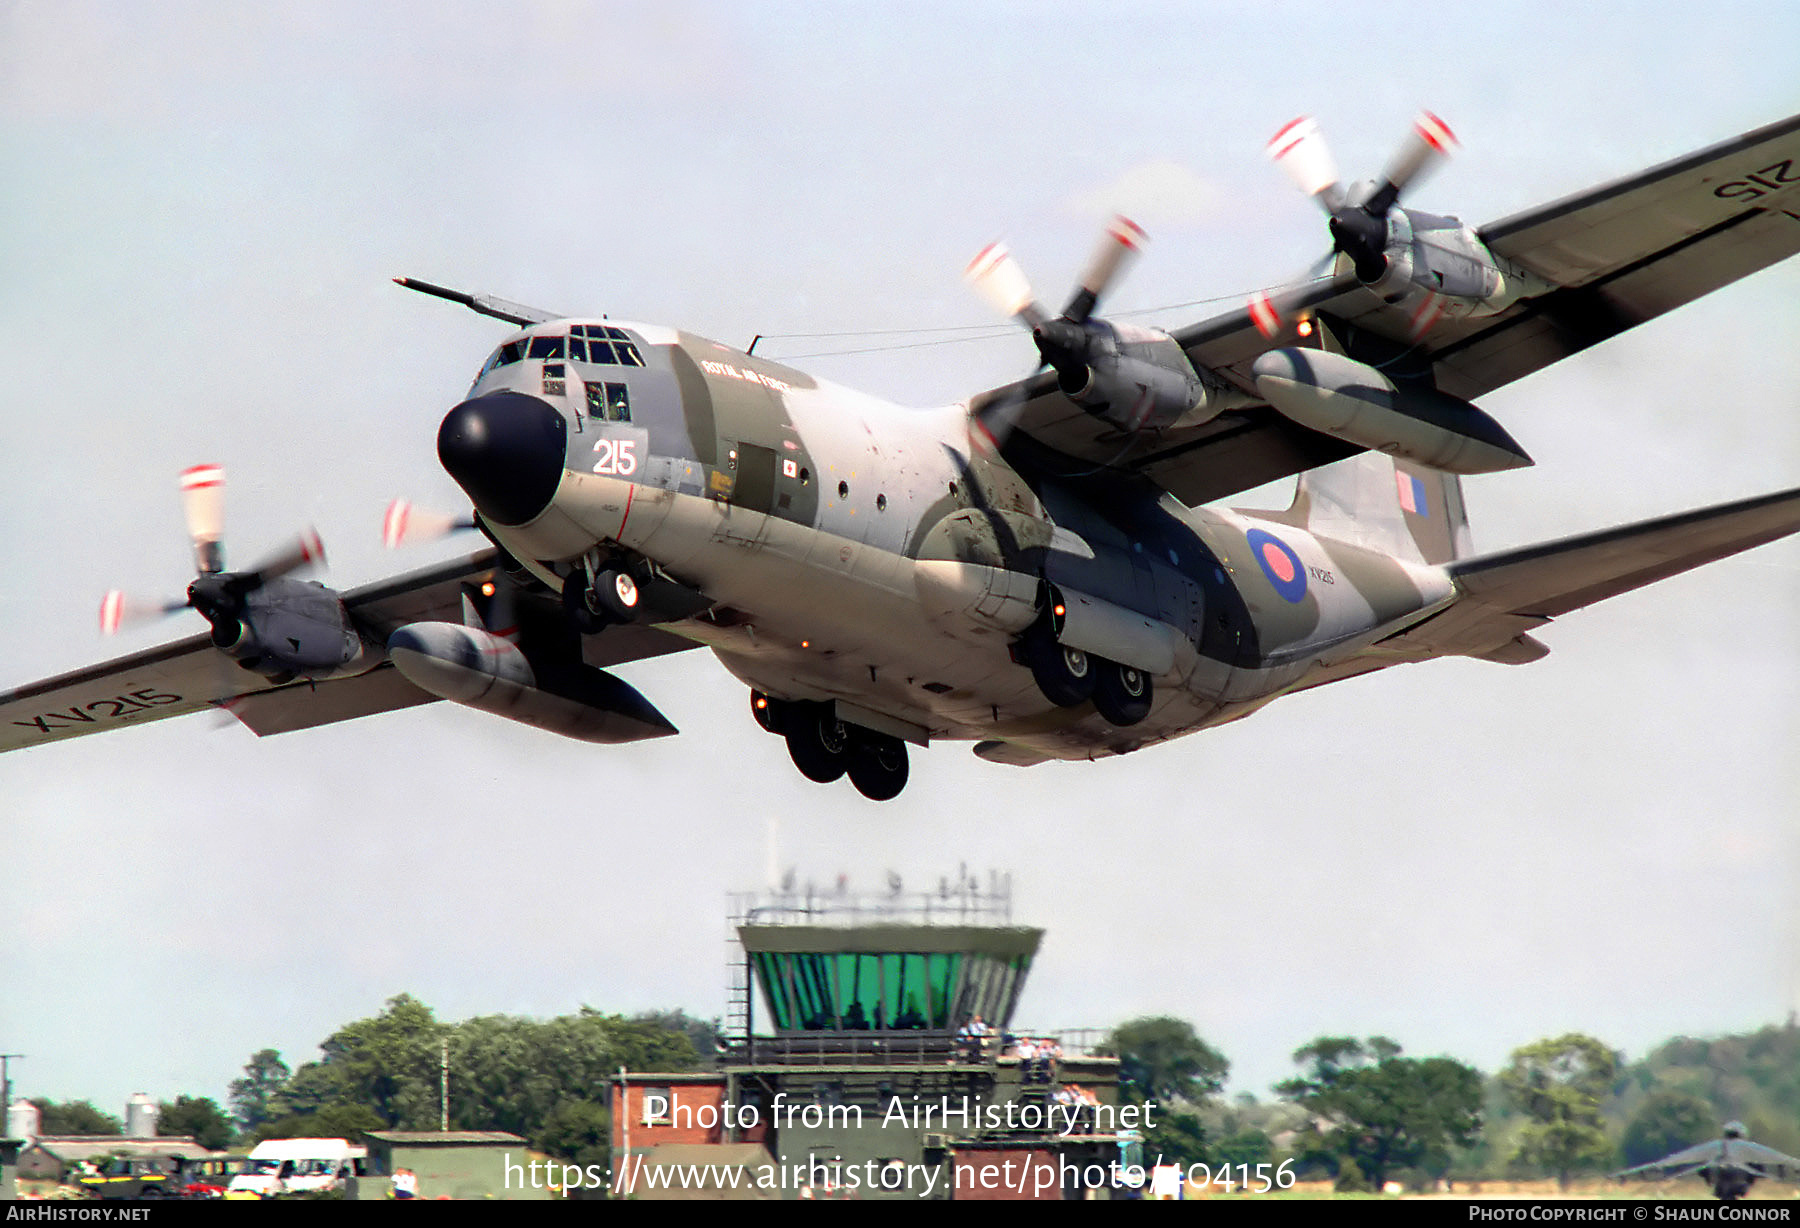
{"type": "Point", "coordinates": [577, 350]}
{"type": "Point", "coordinates": [546, 347]}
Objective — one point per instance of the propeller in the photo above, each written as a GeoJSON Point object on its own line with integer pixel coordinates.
{"type": "Point", "coordinates": [1063, 342]}
{"type": "Point", "coordinates": [404, 523]}
{"type": "Point", "coordinates": [218, 594]}
{"type": "Point", "coordinates": [1359, 227]}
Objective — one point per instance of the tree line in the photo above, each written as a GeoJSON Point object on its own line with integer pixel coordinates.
{"type": "Point", "coordinates": [1363, 1113]}
{"type": "Point", "coordinates": [1360, 1111]}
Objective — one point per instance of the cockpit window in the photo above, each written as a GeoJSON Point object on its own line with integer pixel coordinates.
{"type": "Point", "coordinates": [588, 343]}
{"type": "Point", "coordinates": [607, 345]}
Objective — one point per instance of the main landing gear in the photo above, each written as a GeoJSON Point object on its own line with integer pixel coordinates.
{"type": "Point", "coordinates": [1069, 677]}
{"type": "Point", "coordinates": [825, 748]}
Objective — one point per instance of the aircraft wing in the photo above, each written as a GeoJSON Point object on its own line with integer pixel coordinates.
{"type": "Point", "coordinates": [190, 675]}
{"type": "Point", "coordinates": [1617, 255]}
{"type": "Point", "coordinates": [1680, 1164]}
{"type": "Point", "coordinates": [1730, 1153]}
{"type": "Point", "coordinates": [1503, 596]}
{"type": "Point", "coordinates": [1767, 1160]}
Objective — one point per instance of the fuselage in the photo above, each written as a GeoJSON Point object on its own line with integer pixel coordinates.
{"type": "Point", "coordinates": [890, 560]}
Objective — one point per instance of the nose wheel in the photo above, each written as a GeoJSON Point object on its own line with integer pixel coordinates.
{"type": "Point", "coordinates": [610, 597]}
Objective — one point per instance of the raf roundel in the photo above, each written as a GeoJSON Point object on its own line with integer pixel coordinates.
{"type": "Point", "coordinates": [1279, 562]}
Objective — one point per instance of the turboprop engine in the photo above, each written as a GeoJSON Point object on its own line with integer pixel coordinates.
{"type": "Point", "coordinates": [475, 668]}
{"type": "Point", "coordinates": [1426, 267]}
{"type": "Point", "coordinates": [263, 618]}
{"type": "Point", "coordinates": [1136, 378]}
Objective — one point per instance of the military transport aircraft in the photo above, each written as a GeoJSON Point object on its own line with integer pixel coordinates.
{"type": "Point", "coordinates": [1730, 1165]}
{"type": "Point", "coordinates": [1030, 570]}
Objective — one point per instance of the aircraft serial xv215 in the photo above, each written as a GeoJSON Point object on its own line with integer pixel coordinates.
{"type": "Point", "coordinates": [1029, 570]}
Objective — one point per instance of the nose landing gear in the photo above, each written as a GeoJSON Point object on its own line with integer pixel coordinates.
{"type": "Point", "coordinates": [610, 597]}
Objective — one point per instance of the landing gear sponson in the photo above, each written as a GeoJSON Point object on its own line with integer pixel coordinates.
{"type": "Point", "coordinates": [1069, 677]}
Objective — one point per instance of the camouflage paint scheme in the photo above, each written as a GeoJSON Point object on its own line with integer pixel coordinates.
{"type": "Point", "coordinates": [899, 575]}
{"type": "Point", "coordinates": [871, 597]}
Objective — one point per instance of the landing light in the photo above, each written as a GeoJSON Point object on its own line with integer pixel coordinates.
{"type": "Point", "coordinates": [487, 588]}
{"type": "Point", "coordinates": [1305, 327]}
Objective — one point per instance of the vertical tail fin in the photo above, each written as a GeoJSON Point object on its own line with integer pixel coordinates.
{"type": "Point", "coordinates": [1381, 503]}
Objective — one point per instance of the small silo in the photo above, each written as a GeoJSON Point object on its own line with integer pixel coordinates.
{"type": "Point", "coordinates": [140, 1116]}
{"type": "Point", "coordinates": [23, 1119]}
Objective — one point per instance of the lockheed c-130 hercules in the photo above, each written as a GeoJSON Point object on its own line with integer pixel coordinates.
{"type": "Point", "coordinates": [1031, 570]}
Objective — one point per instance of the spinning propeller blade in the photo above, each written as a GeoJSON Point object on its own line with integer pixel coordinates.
{"type": "Point", "coordinates": [216, 593]}
{"type": "Point", "coordinates": [1062, 341]}
{"type": "Point", "coordinates": [998, 278]}
{"type": "Point", "coordinates": [203, 506]}
{"type": "Point", "coordinates": [1359, 229]}
{"type": "Point", "coordinates": [404, 523]}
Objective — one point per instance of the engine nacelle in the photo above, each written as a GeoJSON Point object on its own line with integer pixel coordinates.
{"type": "Point", "coordinates": [1438, 268]}
{"type": "Point", "coordinates": [472, 667]}
{"type": "Point", "coordinates": [284, 628]}
{"type": "Point", "coordinates": [1136, 378]}
{"type": "Point", "coordinates": [1352, 401]}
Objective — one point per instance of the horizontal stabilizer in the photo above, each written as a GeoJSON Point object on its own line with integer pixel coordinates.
{"type": "Point", "coordinates": [1504, 596]}
{"type": "Point", "coordinates": [1552, 578]}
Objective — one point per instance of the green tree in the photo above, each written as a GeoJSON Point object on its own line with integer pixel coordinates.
{"type": "Point", "coordinates": [75, 1117]}
{"type": "Point", "coordinates": [511, 1074]}
{"type": "Point", "coordinates": [577, 1132]}
{"type": "Point", "coordinates": [251, 1096]}
{"type": "Point", "coordinates": [336, 1120]}
{"type": "Point", "coordinates": [390, 1063]}
{"type": "Point", "coordinates": [1666, 1122]}
{"type": "Point", "coordinates": [1250, 1146]}
{"type": "Point", "coordinates": [1176, 1138]}
{"type": "Point", "coordinates": [505, 1072]}
{"type": "Point", "coordinates": [1162, 1059]}
{"type": "Point", "coordinates": [703, 1034]}
{"type": "Point", "coordinates": [1559, 1085]}
{"type": "Point", "coordinates": [199, 1118]}
{"type": "Point", "coordinates": [1378, 1111]}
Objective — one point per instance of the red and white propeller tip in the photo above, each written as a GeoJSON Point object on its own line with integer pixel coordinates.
{"type": "Point", "coordinates": [306, 551]}
{"type": "Point", "coordinates": [1430, 143]}
{"type": "Point", "coordinates": [1300, 150]}
{"type": "Point", "coordinates": [203, 507]}
{"type": "Point", "coordinates": [997, 277]}
{"type": "Point", "coordinates": [112, 611]}
{"type": "Point", "coordinates": [404, 523]}
{"type": "Point", "coordinates": [118, 610]}
{"type": "Point", "coordinates": [1123, 239]}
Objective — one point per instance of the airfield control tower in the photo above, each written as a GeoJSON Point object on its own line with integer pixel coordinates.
{"type": "Point", "coordinates": [869, 1051]}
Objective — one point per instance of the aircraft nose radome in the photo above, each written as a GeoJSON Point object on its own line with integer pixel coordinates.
{"type": "Point", "coordinates": [506, 450]}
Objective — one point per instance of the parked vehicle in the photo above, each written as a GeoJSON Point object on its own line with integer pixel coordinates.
{"type": "Point", "coordinates": [298, 1165]}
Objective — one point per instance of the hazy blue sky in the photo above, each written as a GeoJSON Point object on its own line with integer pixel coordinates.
{"type": "Point", "coordinates": [201, 210]}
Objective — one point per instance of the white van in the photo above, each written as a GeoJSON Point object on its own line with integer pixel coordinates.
{"type": "Point", "coordinates": [293, 1165]}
